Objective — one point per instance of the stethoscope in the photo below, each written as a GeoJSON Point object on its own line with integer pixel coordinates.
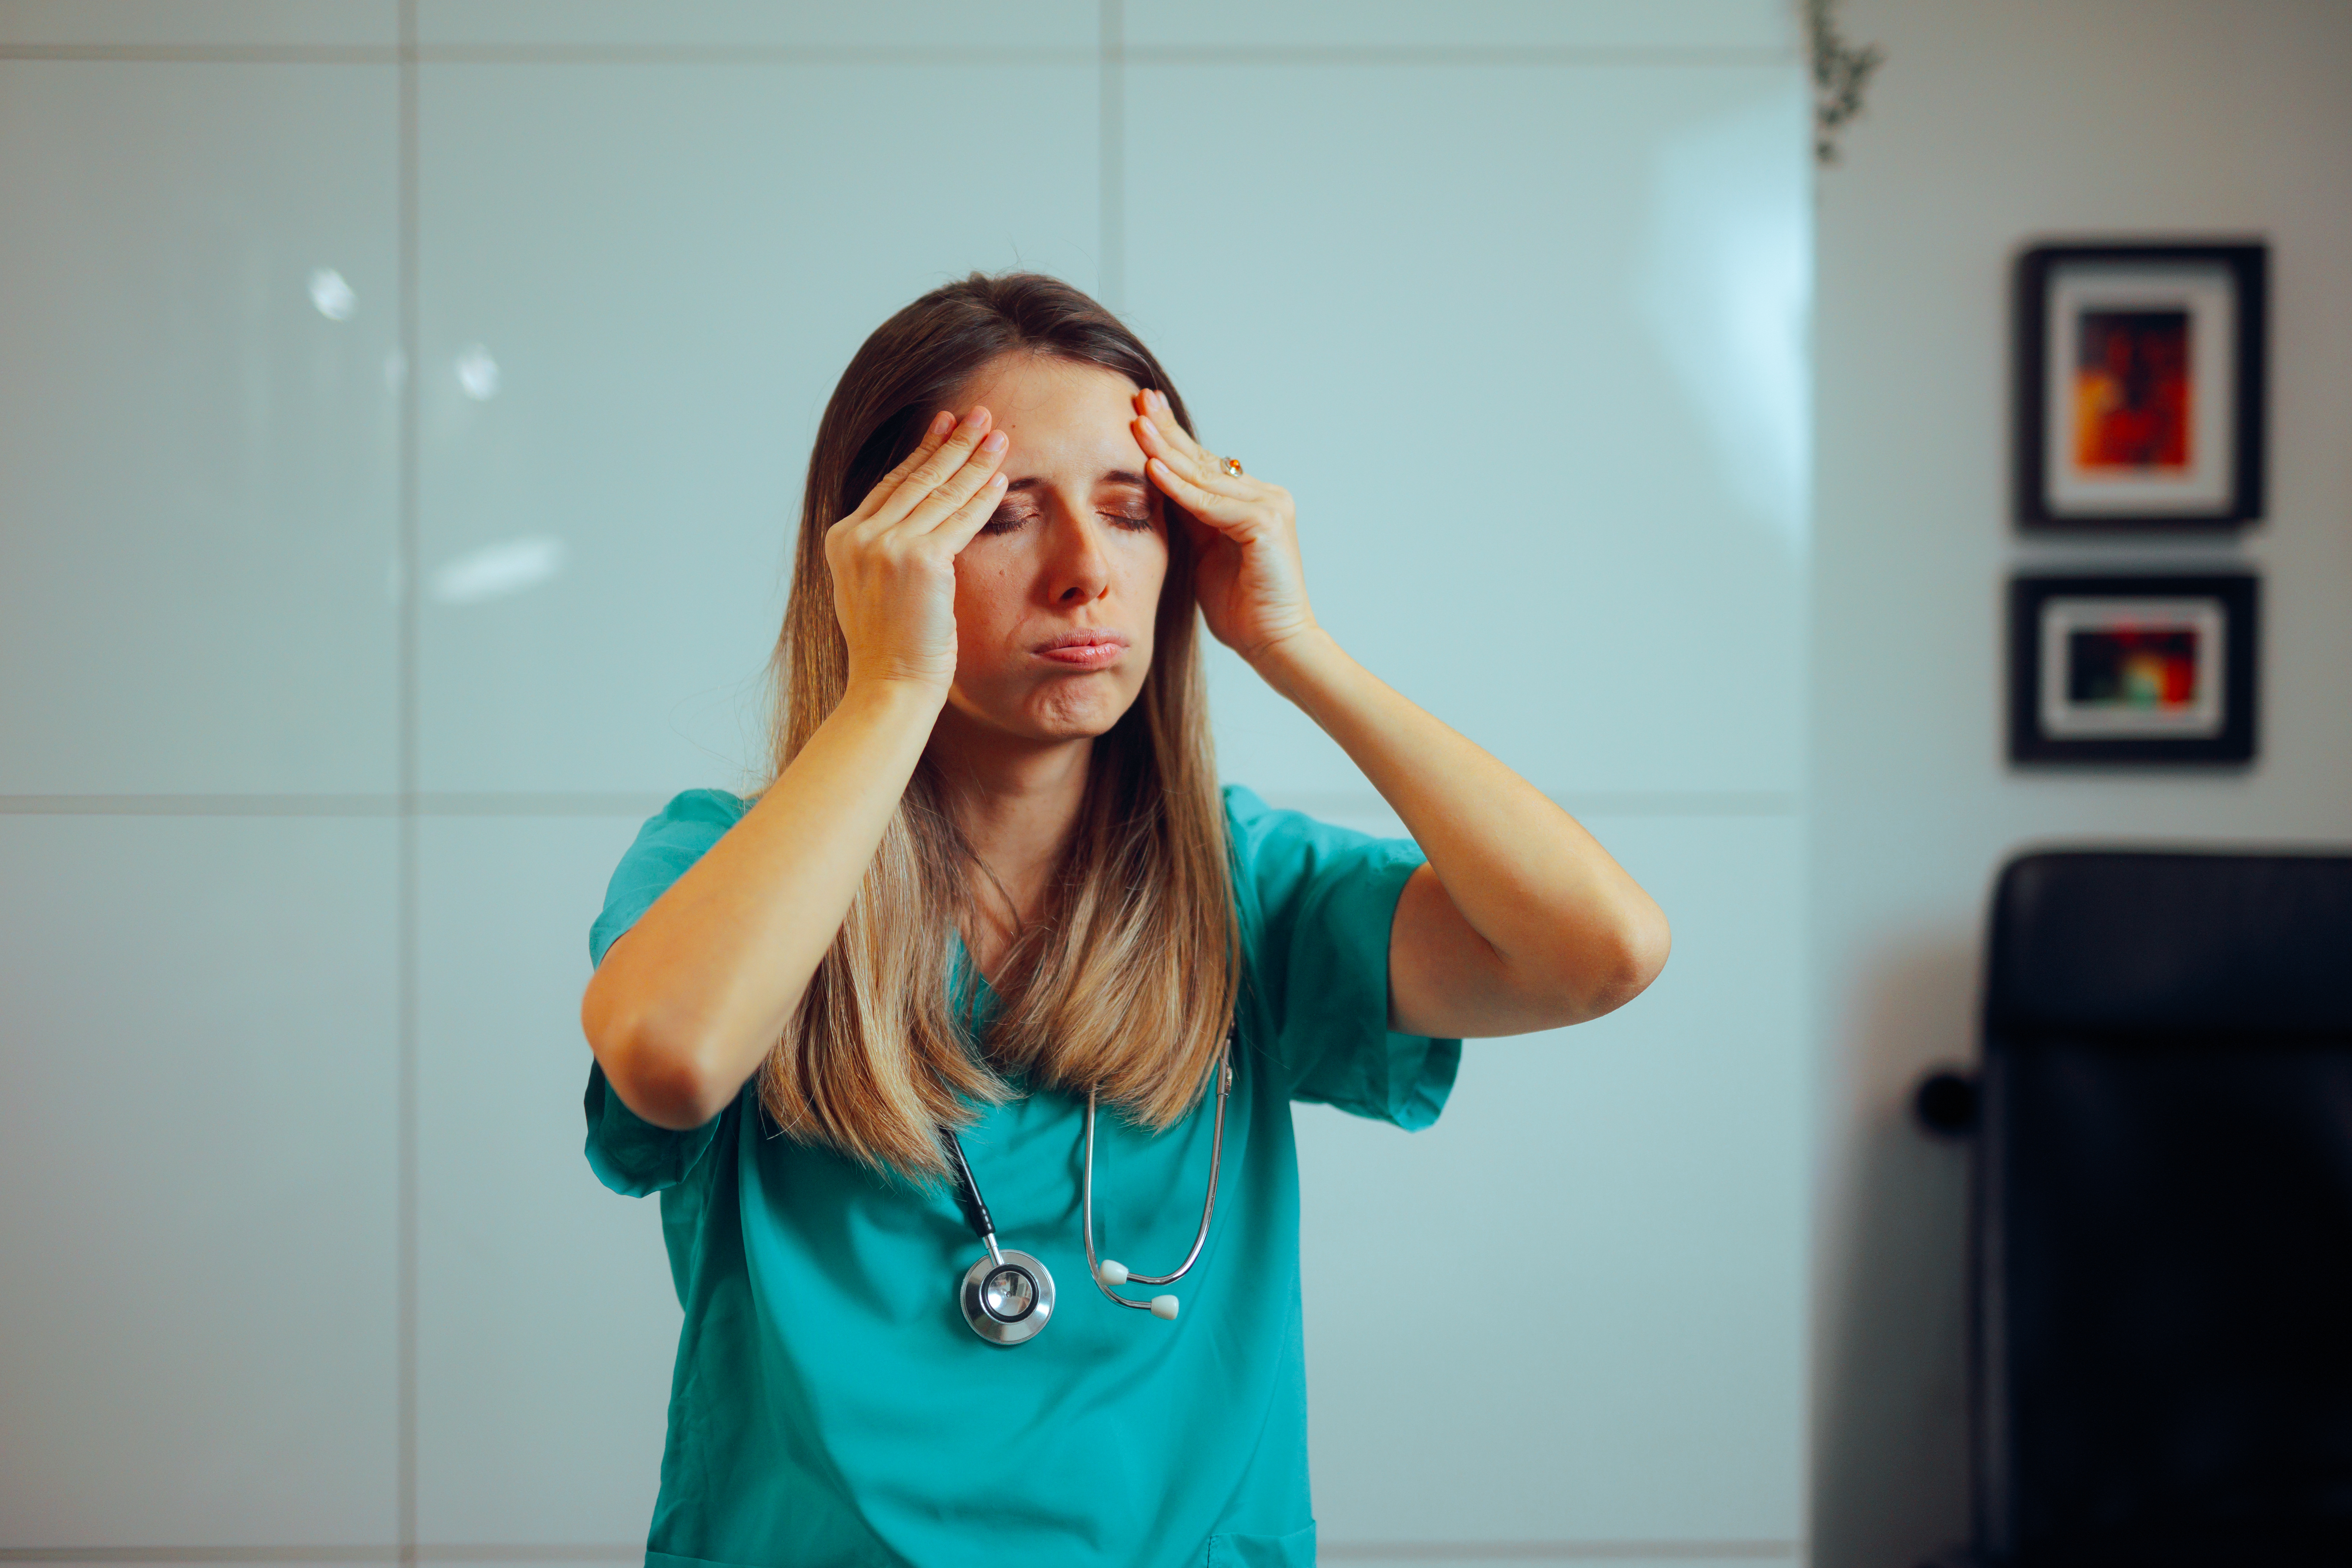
{"type": "Point", "coordinates": [1008, 1296]}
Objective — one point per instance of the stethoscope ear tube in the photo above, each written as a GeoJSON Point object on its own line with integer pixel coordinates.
{"type": "Point", "coordinates": [1108, 1272]}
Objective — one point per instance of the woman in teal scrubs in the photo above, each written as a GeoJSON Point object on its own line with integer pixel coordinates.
{"type": "Point", "coordinates": [992, 875]}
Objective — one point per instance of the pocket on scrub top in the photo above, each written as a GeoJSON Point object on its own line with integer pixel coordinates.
{"type": "Point", "coordinates": [1296, 1550]}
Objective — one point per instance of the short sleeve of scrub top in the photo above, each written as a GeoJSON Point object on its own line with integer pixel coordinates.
{"type": "Point", "coordinates": [828, 1404]}
{"type": "Point", "coordinates": [1322, 900]}
{"type": "Point", "coordinates": [631, 1155]}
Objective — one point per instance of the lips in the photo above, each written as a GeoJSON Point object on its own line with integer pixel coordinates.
{"type": "Point", "coordinates": [1096, 647]}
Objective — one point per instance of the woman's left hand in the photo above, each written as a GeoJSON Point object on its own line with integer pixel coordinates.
{"type": "Point", "coordinates": [1252, 588]}
{"type": "Point", "coordinates": [1521, 921]}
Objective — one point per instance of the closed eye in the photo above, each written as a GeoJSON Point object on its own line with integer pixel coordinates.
{"type": "Point", "coordinates": [1007, 520]}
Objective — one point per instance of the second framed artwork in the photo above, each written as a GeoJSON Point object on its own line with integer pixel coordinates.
{"type": "Point", "coordinates": [2132, 668]}
{"type": "Point", "coordinates": [2140, 383]}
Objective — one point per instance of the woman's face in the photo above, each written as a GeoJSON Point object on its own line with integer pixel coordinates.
{"type": "Point", "coordinates": [1056, 596]}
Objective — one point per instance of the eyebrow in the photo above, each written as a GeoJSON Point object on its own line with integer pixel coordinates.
{"type": "Point", "coordinates": [1115, 477]}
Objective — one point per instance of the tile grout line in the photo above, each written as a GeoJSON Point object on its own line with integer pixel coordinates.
{"type": "Point", "coordinates": [1675, 56]}
{"type": "Point", "coordinates": [407, 913]}
{"type": "Point", "coordinates": [1110, 197]}
{"type": "Point", "coordinates": [634, 805]}
{"type": "Point", "coordinates": [1559, 1551]}
{"type": "Point", "coordinates": [436, 1552]}
{"type": "Point", "coordinates": [205, 54]}
{"type": "Point", "coordinates": [421, 802]}
{"type": "Point", "coordinates": [1556, 1550]}
{"type": "Point", "coordinates": [408, 54]}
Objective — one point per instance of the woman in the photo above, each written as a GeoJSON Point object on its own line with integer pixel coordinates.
{"type": "Point", "coordinates": [992, 885]}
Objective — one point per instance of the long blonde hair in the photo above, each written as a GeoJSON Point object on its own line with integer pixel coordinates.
{"type": "Point", "coordinates": [1126, 981]}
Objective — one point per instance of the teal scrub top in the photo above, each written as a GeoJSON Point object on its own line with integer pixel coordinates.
{"type": "Point", "coordinates": [829, 1404]}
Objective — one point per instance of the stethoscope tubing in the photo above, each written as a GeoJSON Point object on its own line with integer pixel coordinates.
{"type": "Point", "coordinates": [1208, 1200]}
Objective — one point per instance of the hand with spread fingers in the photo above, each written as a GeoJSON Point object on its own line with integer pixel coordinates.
{"type": "Point", "coordinates": [1251, 587]}
{"type": "Point", "coordinates": [893, 559]}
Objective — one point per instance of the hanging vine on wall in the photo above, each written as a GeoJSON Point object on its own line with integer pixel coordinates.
{"type": "Point", "coordinates": [1841, 72]}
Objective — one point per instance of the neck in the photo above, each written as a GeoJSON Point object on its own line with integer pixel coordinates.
{"type": "Point", "coordinates": [1015, 802]}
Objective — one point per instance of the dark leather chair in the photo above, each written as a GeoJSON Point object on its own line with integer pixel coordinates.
{"type": "Point", "coordinates": [2163, 1214]}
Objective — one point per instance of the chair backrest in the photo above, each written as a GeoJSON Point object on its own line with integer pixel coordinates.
{"type": "Point", "coordinates": [2163, 1211]}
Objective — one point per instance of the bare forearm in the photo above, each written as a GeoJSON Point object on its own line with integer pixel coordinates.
{"type": "Point", "coordinates": [1570, 934]}
{"type": "Point", "coordinates": [687, 1004]}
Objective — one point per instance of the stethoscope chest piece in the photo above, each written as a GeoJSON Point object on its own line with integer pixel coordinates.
{"type": "Point", "coordinates": [1007, 1297]}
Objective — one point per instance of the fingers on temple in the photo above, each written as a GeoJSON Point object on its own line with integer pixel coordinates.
{"type": "Point", "coordinates": [1182, 447]}
{"type": "Point", "coordinates": [1197, 467]}
{"type": "Point", "coordinates": [1197, 498]}
{"type": "Point", "coordinates": [976, 478]}
{"type": "Point", "coordinates": [941, 422]}
{"type": "Point", "coordinates": [1187, 471]}
{"type": "Point", "coordinates": [1157, 441]}
{"type": "Point", "coordinates": [947, 458]}
{"type": "Point", "coordinates": [957, 528]}
{"type": "Point", "coordinates": [1160, 420]}
{"type": "Point", "coordinates": [887, 485]}
{"type": "Point", "coordinates": [1184, 451]}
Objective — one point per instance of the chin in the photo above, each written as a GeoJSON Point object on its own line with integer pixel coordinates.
{"type": "Point", "coordinates": [1068, 726]}
{"type": "Point", "coordinates": [1077, 714]}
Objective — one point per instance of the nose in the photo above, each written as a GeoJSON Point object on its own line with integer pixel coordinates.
{"type": "Point", "coordinates": [1078, 571]}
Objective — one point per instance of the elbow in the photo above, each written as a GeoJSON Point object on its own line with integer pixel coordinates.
{"type": "Point", "coordinates": [1604, 970]}
{"type": "Point", "coordinates": [669, 1089]}
{"type": "Point", "coordinates": [1638, 952]}
{"type": "Point", "coordinates": [665, 1078]}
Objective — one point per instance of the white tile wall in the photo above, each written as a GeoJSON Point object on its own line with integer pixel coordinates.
{"type": "Point", "coordinates": [197, 1181]}
{"type": "Point", "coordinates": [669, 266]}
{"type": "Point", "coordinates": [1574, 1308]}
{"type": "Point", "coordinates": [1510, 295]}
{"type": "Point", "coordinates": [546, 1322]}
{"type": "Point", "coordinates": [197, 463]}
{"type": "Point", "coordinates": [1527, 344]}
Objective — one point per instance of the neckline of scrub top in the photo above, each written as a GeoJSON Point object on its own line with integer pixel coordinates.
{"type": "Point", "coordinates": [976, 1002]}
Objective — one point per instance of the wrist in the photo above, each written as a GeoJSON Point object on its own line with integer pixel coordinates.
{"type": "Point", "coordinates": [1297, 664]}
{"type": "Point", "coordinates": [885, 698]}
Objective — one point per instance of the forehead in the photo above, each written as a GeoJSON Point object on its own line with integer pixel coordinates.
{"type": "Point", "coordinates": [1060, 415]}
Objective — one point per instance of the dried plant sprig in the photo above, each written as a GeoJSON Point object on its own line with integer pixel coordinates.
{"type": "Point", "coordinates": [1841, 72]}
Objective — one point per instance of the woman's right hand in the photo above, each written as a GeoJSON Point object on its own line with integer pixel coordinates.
{"type": "Point", "coordinates": [893, 559]}
{"type": "Point", "coordinates": [686, 1006]}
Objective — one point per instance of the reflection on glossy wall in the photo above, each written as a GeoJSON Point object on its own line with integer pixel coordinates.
{"type": "Point", "coordinates": [402, 416]}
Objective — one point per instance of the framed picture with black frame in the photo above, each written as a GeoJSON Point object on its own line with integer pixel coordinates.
{"type": "Point", "coordinates": [2140, 383]}
{"type": "Point", "coordinates": [2137, 669]}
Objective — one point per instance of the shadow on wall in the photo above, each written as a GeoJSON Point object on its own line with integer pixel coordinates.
{"type": "Point", "coordinates": [1891, 1430]}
